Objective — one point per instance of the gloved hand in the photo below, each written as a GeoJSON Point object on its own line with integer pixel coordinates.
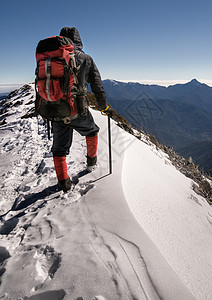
{"type": "Point", "coordinates": [108, 111]}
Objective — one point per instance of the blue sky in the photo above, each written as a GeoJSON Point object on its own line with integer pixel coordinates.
{"type": "Point", "coordinates": [135, 40]}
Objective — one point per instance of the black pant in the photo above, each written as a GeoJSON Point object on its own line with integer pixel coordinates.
{"type": "Point", "coordinates": [63, 133]}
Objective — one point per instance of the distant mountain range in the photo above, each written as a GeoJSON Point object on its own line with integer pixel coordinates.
{"type": "Point", "coordinates": [179, 116]}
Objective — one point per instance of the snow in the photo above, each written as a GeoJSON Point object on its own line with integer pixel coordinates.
{"type": "Point", "coordinates": [140, 233]}
{"type": "Point", "coordinates": [173, 216]}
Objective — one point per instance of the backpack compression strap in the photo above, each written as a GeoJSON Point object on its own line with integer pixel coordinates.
{"type": "Point", "coordinates": [48, 77]}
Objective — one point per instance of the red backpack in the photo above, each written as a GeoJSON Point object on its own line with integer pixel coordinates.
{"type": "Point", "coordinates": [56, 79]}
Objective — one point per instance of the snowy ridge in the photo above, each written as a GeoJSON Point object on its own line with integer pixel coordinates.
{"type": "Point", "coordinates": [140, 233]}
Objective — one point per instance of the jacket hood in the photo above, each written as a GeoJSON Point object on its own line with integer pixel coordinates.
{"type": "Point", "coordinates": [73, 34]}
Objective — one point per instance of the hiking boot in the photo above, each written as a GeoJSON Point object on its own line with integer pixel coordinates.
{"type": "Point", "coordinates": [65, 185]}
{"type": "Point", "coordinates": [91, 163]}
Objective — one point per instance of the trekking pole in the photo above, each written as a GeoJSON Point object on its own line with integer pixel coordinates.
{"type": "Point", "coordinates": [38, 125]}
{"type": "Point", "coordinates": [48, 129]}
{"type": "Point", "coordinates": [109, 144]}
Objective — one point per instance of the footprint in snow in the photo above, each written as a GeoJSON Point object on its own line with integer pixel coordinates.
{"type": "Point", "coordinates": [47, 263]}
{"type": "Point", "coordinates": [85, 187]}
{"type": "Point", "coordinates": [4, 255]}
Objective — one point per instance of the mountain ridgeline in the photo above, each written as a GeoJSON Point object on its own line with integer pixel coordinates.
{"type": "Point", "coordinates": [180, 116]}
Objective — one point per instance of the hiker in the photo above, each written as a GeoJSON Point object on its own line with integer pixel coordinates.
{"type": "Point", "coordinates": [84, 124]}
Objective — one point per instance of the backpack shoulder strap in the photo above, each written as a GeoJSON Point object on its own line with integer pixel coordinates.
{"type": "Point", "coordinates": [74, 60]}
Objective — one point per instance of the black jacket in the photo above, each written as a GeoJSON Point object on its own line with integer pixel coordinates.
{"type": "Point", "coordinates": [88, 72]}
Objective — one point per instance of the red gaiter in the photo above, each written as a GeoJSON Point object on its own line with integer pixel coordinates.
{"type": "Point", "coordinates": [60, 167]}
{"type": "Point", "coordinates": [92, 143]}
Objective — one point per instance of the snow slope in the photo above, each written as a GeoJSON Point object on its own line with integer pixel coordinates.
{"type": "Point", "coordinates": [140, 233]}
{"type": "Point", "coordinates": [172, 214]}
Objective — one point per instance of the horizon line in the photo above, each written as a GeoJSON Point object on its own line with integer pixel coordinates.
{"type": "Point", "coordinates": [8, 87]}
{"type": "Point", "coordinates": [165, 83]}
